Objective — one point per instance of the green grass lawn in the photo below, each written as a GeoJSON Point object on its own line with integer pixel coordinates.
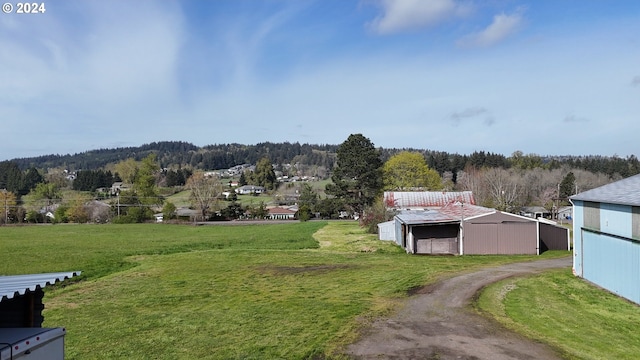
{"type": "Point", "coordinates": [180, 199]}
{"type": "Point", "coordinates": [579, 319]}
{"type": "Point", "coordinates": [159, 291]}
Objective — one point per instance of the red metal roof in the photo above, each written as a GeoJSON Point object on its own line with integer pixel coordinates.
{"type": "Point", "coordinates": [426, 199]}
{"type": "Point", "coordinates": [280, 211]}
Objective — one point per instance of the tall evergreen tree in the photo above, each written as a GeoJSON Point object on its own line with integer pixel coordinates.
{"type": "Point", "coordinates": [264, 174]}
{"type": "Point", "coordinates": [357, 177]}
{"type": "Point", "coordinates": [567, 186]}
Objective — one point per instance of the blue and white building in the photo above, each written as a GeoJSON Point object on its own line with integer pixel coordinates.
{"type": "Point", "coordinates": [606, 233]}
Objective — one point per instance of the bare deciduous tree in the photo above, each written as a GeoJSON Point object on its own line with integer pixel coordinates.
{"type": "Point", "coordinates": [205, 191]}
{"type": "Point", "coordinates": [504, 188]}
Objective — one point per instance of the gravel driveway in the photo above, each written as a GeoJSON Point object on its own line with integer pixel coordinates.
{"type": "Point", "coordinates": [438, 323]}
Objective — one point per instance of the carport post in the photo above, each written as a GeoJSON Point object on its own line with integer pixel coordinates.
{"type": "Point", "coordinates": [461, 228]}
{"type": "Point", "coordinates": [537, 236]}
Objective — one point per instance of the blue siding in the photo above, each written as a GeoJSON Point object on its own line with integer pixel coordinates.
{"type": "Point", "coordinates": [608, 258]}
{"type": "Point", "coordinates": [615, 219]}
{"type": "Point", "coordinates": [612, 263]}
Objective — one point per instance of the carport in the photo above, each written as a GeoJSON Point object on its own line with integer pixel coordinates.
{"type": "Point", "coordinates": [427, 232]}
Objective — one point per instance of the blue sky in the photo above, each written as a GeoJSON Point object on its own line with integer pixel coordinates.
{"type": "Point", "coordinates": [543, 77]}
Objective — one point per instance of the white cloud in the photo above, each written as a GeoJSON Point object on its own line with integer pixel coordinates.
{"type": "Point", "coordinates": [400, 15]}
{"type": "Point", "coordinates": [503, 26]}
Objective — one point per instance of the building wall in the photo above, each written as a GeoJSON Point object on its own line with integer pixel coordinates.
{"type": "Point", "coordinates": [386, 231]}
{"type": "Point", "coordinates": [612, 263]}
{"type": "Point", "coordinates": [500, 233]}
{"type": "Point", "coordinates": [22, 311]}
{"type": "Point", "coordinates": [553, 238]}
{"type": "Point", "coordinates": [400, 230]}
{"type": "Point", "coordinates": [608, 256]}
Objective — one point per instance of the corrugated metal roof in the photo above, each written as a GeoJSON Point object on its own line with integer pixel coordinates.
{"type": "Point", "coordinates": [623, 192]}
{"type": "Point", "coordinates": [455, 210]}
{"type": "Point", "coordinates": [424, 217]}
{"type": "Point", "coordinates": [425, 199]}
{"type": "Point", "coordinates": [16, 285]}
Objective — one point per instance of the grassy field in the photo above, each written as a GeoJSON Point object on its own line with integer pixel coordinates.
{"type": "Point", "coordinates": [579, 319]}
{"type": "Point", "coordinates": [158, 291]}
{"type": "Point", "coordinates": [181, 199]}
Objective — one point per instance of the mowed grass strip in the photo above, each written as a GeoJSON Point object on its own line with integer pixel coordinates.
{"type": "Point", "coordinates": [574, 316]}
{"type": "Point", "coordinates": [99, 250]}
{"type": "Point", "coordinates": [158, 291]}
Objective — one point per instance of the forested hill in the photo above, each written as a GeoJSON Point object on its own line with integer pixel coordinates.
{"type": "Point", "coordinates": [175, 154]}
{"type": "Point", "coordinates": [184, 154]}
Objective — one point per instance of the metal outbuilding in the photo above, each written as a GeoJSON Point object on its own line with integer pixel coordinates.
{"type": "Point", "coordinates": [501, 233]}
{"type": "Point", "coordinates": [21, 332]}
{"type": "Point", "coordinates": [21, 298]}
{"type": "Point", "coordinates": [386, 231]}
{"type": "Point", "coordinates": [606, 228]}
{"type": "Point", "coordinates": [464, 229]}
{"type": "Point", "coordinates": [427, 232]}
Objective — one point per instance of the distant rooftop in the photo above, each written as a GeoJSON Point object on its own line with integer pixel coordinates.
{"type": "Point", "coordinates": [426, 199]}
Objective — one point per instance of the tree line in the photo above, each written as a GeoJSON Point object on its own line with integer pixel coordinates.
{"type": "Point", "coordinates": [316, 158]}
{"type": "Point", "coordinates": [359, 172]}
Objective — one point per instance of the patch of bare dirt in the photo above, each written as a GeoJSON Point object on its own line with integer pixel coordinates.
{"type": "Point", "coordinates": [437, 322]}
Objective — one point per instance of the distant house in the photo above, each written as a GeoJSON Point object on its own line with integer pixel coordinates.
{"type": "Point", "coordinates": [606, 228]}
{"type": "Point", "coordinates": [565, 213]}
{"type": "Point", "coordinates": [188, 214]}
{"type": "Point", "coordinates": [250, 189]}
{"type": "Point", "coordinates": [535, 212]}
{"type": "Point", "coordinates": [119, 186]}
{"type": "Point", "coordinates": [425, 200]}
{"type": "Point", "coordinates": [280, 213]}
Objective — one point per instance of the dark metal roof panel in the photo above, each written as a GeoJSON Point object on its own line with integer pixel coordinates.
{"type": "Point", "coordinates": [622, 192]}
{"type": "Point", "coordinates": [423, 217]}
{"type": "Point", "coordinates": [15, 285]}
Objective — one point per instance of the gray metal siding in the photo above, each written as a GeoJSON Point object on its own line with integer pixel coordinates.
{"type": "Point", "coordinates": [387, 231]}
{"type": "Point", "coordinates": [437, 246]}
{"type": "Point", "coordinates": [635, 222]}
{"type": "Point", "coordinates": [591, 215]}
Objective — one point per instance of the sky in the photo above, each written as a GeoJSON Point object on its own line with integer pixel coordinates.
{"type": "Point", "coordinates": [543, 77]}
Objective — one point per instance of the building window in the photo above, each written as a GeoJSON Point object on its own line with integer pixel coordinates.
{"type": "Point", "coordinates": [635, 222]}
{"type": "Point", "coordinates": [592, 215]}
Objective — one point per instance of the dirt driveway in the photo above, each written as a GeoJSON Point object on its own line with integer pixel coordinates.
{"type": "Point", "coordinates": [438, 323]}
